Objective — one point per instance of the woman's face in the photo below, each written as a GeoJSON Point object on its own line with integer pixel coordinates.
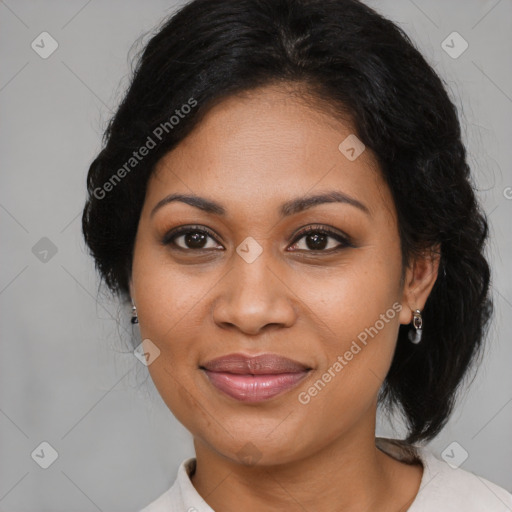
{"type": "Point", "coordinates": [257, 284]}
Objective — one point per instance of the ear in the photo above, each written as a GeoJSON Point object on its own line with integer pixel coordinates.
{"type": "Point", "coordinates": [420, 277]}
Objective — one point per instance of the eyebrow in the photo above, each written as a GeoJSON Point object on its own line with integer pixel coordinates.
{"type": "Point", "coordinates": [288, 208]}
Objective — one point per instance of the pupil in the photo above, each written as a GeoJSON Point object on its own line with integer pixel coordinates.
{"type": "Point", "coordinates": [195, 240]}
{"type": "Point", "coordinates": [319, 241]}
{"type": "Point", "coordinates": [314, 242]}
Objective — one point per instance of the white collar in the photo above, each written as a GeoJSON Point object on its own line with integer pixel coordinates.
{"type": "Point", "coordinates": [442, 487]}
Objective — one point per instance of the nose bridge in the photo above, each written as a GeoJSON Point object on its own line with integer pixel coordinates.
{"type": "Point", "coordinates": [251, 277]}
{"type": "Point", "coordinates": [251, 295]}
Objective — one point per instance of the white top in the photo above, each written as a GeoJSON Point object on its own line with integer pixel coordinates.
{"type": "Point", "coordinates": [442, 488]}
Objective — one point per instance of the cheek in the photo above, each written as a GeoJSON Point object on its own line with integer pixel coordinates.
{"type": "Point", "coordinates": [169, 298]}
{"type": "Point", "coordinates": [353, 296]}
{"type": "Point", "coordinates": [174, 382]}
{"type": "Point", "coordinates": [169, 309]}
{"type": "Point", "coordinates": [356, 312]}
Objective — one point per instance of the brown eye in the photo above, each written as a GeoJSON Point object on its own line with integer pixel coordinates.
{"type": "Point", "coordinates": [189, 238]}
{"type": "Point", "coordinates": [321, 240]}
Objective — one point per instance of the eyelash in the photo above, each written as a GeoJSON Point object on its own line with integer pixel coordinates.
{"type": "Point", "coordinates": [345, 242]}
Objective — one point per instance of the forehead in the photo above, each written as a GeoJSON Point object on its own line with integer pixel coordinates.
{"type": "Point", "coordinates": [268, 143]}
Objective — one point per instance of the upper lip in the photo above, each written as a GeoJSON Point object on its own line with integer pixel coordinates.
{"type": "Point", "coordinates": [264, 364]}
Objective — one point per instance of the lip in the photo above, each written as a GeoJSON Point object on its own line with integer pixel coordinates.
{"type": "Point", "coordinates": [254, 378]}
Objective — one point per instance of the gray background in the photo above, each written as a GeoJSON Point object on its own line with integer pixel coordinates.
{"type": "Point", "coordinates": [67, 375]}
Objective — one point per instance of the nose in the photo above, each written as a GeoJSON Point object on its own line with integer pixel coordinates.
{"type": "Point", "coordinates": [252, 297]}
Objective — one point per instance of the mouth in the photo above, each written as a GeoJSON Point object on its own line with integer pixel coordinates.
{"type": "Point", "coordinates": [254, 379]}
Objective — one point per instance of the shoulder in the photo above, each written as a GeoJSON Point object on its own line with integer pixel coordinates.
{"type": "Point", "coordinates": [448, 489]}
{"type": "Point", "coordinates": [165, 502]}
{"type": "Point", "coordinates": [444, 488]}
{"type": "Point", "coordinates": [180, 496]}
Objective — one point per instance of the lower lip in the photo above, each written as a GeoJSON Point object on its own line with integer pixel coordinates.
{"type": "Point", "coordinates": [254, 388]}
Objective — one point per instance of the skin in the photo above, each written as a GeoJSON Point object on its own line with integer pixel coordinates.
{"type": "Point", "coordinates": [251, 153]}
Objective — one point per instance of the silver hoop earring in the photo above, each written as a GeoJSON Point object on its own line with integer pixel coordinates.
{"type": "Point", "coordinates": [135, 318]}
{"type": "Point", "coordinates": [417, 322]}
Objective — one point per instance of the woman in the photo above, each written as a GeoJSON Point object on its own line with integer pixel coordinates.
{"type": "Point", "coordinates": [284, 199]}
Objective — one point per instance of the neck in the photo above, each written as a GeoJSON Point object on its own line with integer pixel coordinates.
{"type": "Point", "coordinates": [350, 473]}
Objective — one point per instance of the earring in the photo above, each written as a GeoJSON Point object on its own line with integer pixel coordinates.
{"type": "Point", "coordinates": [135, 319]}
{"type": "Point", "coordinates": [417, 322]}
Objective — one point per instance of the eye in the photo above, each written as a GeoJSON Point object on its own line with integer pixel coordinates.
{"type": "Point", "coordinates": [316, 239]}
{"type": "Point", "coordinates": [189, 238]}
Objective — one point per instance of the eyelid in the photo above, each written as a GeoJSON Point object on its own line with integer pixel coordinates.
{"type": "Point", "coordinates": [176, 232]}
{"type": "Point", "coordinates": [342, 238]}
